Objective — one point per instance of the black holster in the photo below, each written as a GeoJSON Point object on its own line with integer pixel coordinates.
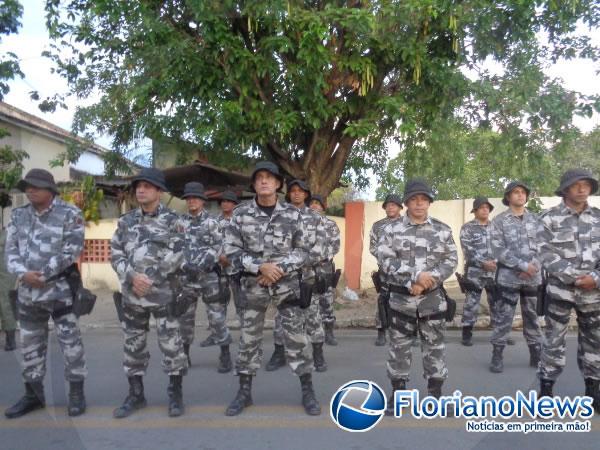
{"type": "Point", "coordinates": [450, 305]}
{"type": "Point", "coordinates": [336, 277]}
{"type": "Point", "coordinates": [13, 299]}
{"type": "Point", "coordinates": [376, 277]}
{"type": "Point", "coordinates": [383, 308]}
{"type": "Point", "coordinates": [83, 299]}
{"type": "Point", "coordinates": [306, 289]}
{"type": "Point", "coordinates": [239, 296]}
{"type": "Point", "coordinates": [180, 305]}
{"type": "Point", "coordinates": [118, 300]}
{"type": "Point", "coordinates": [541, 306]}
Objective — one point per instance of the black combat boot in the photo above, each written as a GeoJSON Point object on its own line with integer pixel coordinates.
{"type": "Point", "coordinates": [329, 336]}
{"type": "Point", "coordinates": [243, 398]}
{"type": "Point", "coordinates": [209, 341]}
{"type": "Point", "coordinates": [225, 364]}
{"type": "Point", "coordinates": [10, 343]}
{"type": "Point", "coordinates": [76, 399]}
{"type": "Point", "coordinates": [134, 401]}
{"type": "Point", "coordinates": [309, 400]}
{"type": "Point", "coordinates": [277, 359]}
{"type": "Point", "coordinates": [32, 400]}
{"type": "Point", "coordinates": [397, 385]}
{"type": "Point", "coordinates": [319, 358]}
{"type": "Point", "coordinates": [175, 396]}
{"type": "Point", "coordinates": [467, 335]}
{"type": "Point", "coordinates": [380, 341]}
{"type": "Point", "coordinates": [434, 388]}
{"type": "Point", "coordinates": [592, 389]}
{"type": "Point", "coordinates": [497, 365]}
{"type": "Point", "coordinates": [546, 388]}
{"type": "Point", "coordinates": [186, 350]}
{"type": "Point", "coordinates": [534, 355]}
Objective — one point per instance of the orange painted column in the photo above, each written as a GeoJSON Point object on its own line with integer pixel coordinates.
{"type": "Point", "coordinates": [355, 220]}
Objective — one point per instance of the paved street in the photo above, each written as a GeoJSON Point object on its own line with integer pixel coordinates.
{"type": "Point", "coordinates": [276, 420]}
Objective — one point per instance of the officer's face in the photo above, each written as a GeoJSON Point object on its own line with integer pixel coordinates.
{"type": "Point", "coordinates": [194, 204]}
{"type": "Point", "coordinates": [227, 206]}
{"type": "Point", "coordinates": [483, 212]}
{"type": "Point", "coordinates": [517, 197]}
{"type": "Point", "coordinates": [265, 183]}
{"type": "Point", "coordinates": [297, 195]}
{"type": "Point", "coordinates": [392, 210]}
{"type": "Point", "coordinates": [316, 206]}
{"type": "Point", "coordinates": [417, 206]}
{"type": "Point", "coordinates": [146, 193]}
{"type": "Point", "coordinates": [578, 192]}
{"type": "Point", "coordinates": [38, 196]}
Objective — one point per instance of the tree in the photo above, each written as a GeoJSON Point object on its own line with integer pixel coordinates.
{"type": "Point", "coordinates": [11, 165]}
{"type": "Point", "coordinates": [318, 87]}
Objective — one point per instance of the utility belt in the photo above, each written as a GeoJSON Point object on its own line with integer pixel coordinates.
{"type": "Point", "coordinates": [448, 315]}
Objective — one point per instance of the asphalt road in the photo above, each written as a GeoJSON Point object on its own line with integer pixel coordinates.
{"type": "Point", "coordinates": [277, 419]}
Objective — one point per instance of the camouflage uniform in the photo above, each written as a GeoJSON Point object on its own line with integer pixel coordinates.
{"type": "Point", "coordinates": [7, 282]}
{"type": "Point", "coordinates": [571, 248]}
{"type": "Point", "coordinates": [515, 244]}
{"type": "Point", "coordinates": [253, 238]}
{"type": "Point", "coordinates": [149, 244]}
{"type": "Point", "coordinates": [325, 267]}
{"type": "Point", "coordinates": [203, 242]}
{"type": "Point", "coordinates": [405, 250]}
{"type": "Point", "coordinates": [477, 248]}
{"type": "Point", "coordinates": [47, 242]}
{"type": "Point", "coordinates": [374, 237]}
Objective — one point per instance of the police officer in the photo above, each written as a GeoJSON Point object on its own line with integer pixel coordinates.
{"type": "Point", "coordinates": [147, 255]}
{"type": "Point", "coordinates": [326, 269]}
{"type": "Point", "coordinates": [267, 242]}
{"type": "Point", "coordinates": [45, 238]}
{"type": "Point", "coordinates": [416, 254]}
{"type": "Point", "coordinates": [571, 255]}
{"type": "Point", "coordinates": [203, 242]}
{"type": "Point", "coordinates": [515, 246]}
{"type": "Point", "coordinates": [7, 319]}
{"type": "Point", "coordinates": [298, 195]}
{"type": "Point", "coordinates": [229, 279]}
{"type": "Point", "coordinates": [480, 266]}
{"type": "Point", "coordinates": [392, 206]}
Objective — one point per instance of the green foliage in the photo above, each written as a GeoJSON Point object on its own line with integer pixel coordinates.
{"type": "Point", "coordinates": [319, 87]}
{"type": "Point", "coordinates": [86, 197]}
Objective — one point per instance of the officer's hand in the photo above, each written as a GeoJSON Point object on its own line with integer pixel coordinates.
{"type": "Point", "coordinates": [263, 281]}
{"type": "Point", "coordinates": [141, 284]}
{"type": "Point", "coordinates": [524, 276]}
{"type": "Point", "coordinates": [223, 261]}
{"type": "Point", "coordinates": [532, 269]}
{"type": "Point", "coordinates": [489, 266]}
{"type": "Point", "coordinates": [426, 280]}
{"type": "Point", "coordinates": [34, 279]}
{"type": "Point", "coordinates": [417, 289]}
{"type": "Point", "coordinates": [271, 272]}
{"type": "Point", "coordinates": [585, 282]}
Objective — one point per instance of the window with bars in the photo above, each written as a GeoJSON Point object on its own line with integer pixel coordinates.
{"type": "Point", "coordinates": [96, 251]}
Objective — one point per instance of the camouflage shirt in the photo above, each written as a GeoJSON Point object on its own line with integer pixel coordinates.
{"type": "Point", "coordinates": [571, 244]}
{"type": "Point", "coordinates": [224, 222]}
{"type": "Point", "coordinates": [477, 248]}
{"type": "Point", "coordinates": [151, 244]}
{"type": "Point", "coordinates": [405, 250]}
{"type": "Point", "coordinates": [47, 242]}
{"type": "Point", "coordinates": [515, 244]}
{"type": "Point", "coordinates": [316, 238]}
{"type": "Point", "coordinates": [332, 233]}
{"type": "Point", "coordinates": [254, 238]}
{"type": "Point", "coordinates": [203, 243]}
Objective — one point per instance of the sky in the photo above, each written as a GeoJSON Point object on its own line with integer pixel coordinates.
{"type": "Point", "coordinates": [32, 40]}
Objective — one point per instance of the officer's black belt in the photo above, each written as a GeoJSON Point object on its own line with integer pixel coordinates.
{"type": "Point", "coordinates": [249, 274]}
{"type": "Point", "coordinates": [406, 291]}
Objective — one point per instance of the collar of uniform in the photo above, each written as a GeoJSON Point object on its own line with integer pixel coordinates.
{"type": "Point", "coordinates": [406, 220]}
{"type": "Point", "coordinates": [47, 210]}
{"type": "Point", "coordinates": [525, 213]}
{"type": "Point", "coordinates": [202, 215]}
{"type": "Point", "coordinates": [476, 222]}
{"type": "Point", "coordinates": [278, 207]}
{"type": "Point", "coordinates": [565, 209]}
{"type": "Point", "coordinates": [159, 211]}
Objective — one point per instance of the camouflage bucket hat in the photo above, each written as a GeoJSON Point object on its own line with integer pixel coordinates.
{"type": "Point", "coordinates": [153, 176]}
{"type": "Point", "coordinates": [229, 196]}
{"type": "Point", "coordinates": [392, 198]}
{"type": "Point", "coordinates": [572, 176]}
{"type": "Point", "coordinates": [301, 184]}
{"type": "Point", "coordinates": [511, 187]}
{"type": "Point", "coordinates": [38, 178]}
{"type": "Point", "coordinates": [269, 167]}
{"type": "Point", "coordinates": [194, 189]}
{"type": "Point", "coordinates": [479, 202]}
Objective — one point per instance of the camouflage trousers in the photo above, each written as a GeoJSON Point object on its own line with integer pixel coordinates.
{"type": "Point", "coordinates": [217, 322]}
{"type": "Point", "coordinates": [504, 310]}
{"type": "Point", "coordinates": [187, 321]}
{"type": "Point", "coordinates": [325, 302]}
{"type": "Point", "coordinates": [402, 333]}
{"type": "Point", "coordinates": [313, 325]}
{"type": "Point", "coordinates": [135, 329]}
{"type": "Point", "coordinates": [295, 340]}
{"type": "Point", "coordinates": [472, 304]}
{"type": "Point", "coordinates": [553, 359]}
{"type": "Point", "coordinates": [33, 322]}
{"type": "Point", "coordinates": [7, 319]}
